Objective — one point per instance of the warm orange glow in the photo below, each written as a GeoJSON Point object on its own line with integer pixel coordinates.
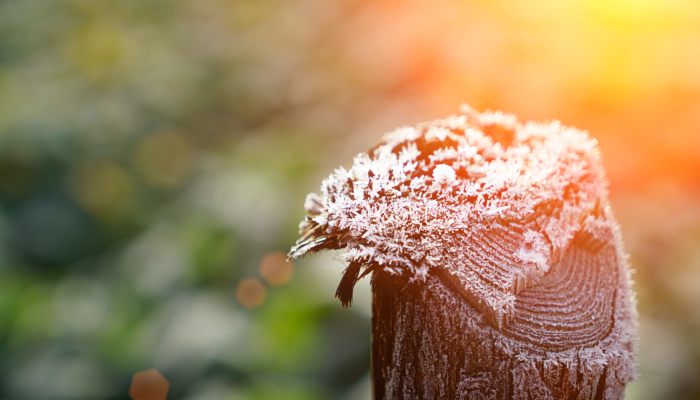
{"type": "Point", "coordinates": [149, 385]}
{"type": "Point", "coordinates": [627, 70]}
{"type": "Point", "coordinates": [251, 293]}
{"type": "Point", "coordinates": [275, 268]}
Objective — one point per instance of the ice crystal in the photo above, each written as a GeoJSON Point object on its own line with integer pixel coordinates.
{"type": "Point", "coordinates": [420, 199]}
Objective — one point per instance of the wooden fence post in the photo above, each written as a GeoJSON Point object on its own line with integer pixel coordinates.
{"type": "Point", "coordinates": [497, 267]}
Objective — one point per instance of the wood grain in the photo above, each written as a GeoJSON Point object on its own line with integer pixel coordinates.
{"type": "Point", "coordinates": [571, 337]}
{"type": "Point", "coordinates": [497, 265]}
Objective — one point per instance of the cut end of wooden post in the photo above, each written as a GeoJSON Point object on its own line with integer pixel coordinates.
{"type": "Point", "coordinates": [508, 219]}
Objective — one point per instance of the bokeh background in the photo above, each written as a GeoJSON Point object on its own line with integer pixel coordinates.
{"type": "Point", "coordinates": [154, 157]}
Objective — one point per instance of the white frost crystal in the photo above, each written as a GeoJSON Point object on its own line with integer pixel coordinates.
{"type": "Point", "coordinates": [425, 190]}
{"type": "Point", "coordinates": [418, 200]}
{"type": "Point", "coordinates": [511, 215]}
{"type": "Point", "coordinates": [444, 174]}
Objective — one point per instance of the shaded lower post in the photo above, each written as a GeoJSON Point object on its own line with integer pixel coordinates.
{"type": "Point", "coordinates": [498, 269]}
{"type": "Point", "coordinates": [570, 338]}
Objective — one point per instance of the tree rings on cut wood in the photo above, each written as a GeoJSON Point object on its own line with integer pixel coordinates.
{"type": "Point", "coordinates": [497, 266]}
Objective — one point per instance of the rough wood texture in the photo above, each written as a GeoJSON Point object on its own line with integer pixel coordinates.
{"type": "Point", "coordinates": [497, 266]}
{"type": "Point", "coordinates": [429, 342]}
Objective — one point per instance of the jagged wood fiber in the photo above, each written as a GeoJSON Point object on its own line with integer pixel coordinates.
{"type": "Point", "coordinates": [497, 266]}
{"type": "Point", "coordinates": [428, 342]}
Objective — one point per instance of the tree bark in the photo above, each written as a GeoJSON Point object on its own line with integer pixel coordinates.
{"type": "Point", "coordinates": [497, 265]}
{"type": "Point", "coordinates": [571, 338]}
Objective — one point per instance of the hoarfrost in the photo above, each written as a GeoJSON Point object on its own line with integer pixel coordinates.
{"type": "Point", "coordinates": [416, 201]}
{"type": "Point", "coordinates": [444, 174]}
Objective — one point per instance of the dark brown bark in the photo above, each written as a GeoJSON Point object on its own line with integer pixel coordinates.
{"type": "Point", "coordinates": [497, 266]}
{"type": "Point", "coordinates": [429, 341]}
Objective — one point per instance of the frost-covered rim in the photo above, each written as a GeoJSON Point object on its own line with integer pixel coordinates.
{"type": "Point", "coordinates": [412, 203]}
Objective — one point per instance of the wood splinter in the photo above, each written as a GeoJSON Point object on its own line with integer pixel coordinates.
{"type": "Point", "coordinates": [497, 266]}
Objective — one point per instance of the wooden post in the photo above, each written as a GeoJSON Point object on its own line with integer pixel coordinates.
{"type": "Point", "coordinates": [497, 266]}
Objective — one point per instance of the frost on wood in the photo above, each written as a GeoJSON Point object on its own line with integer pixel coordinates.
{"type": "Point", "coordinates": [496, 263]}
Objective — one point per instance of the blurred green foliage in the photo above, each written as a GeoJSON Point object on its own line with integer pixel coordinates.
{"type": "Point", "coordinates": [152, 152]}
{"type": "Point", "coordinates": [142, 176]}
